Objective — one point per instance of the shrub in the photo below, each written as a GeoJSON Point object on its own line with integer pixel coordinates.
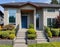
{"type": "Point", "coordinates": [11, 32]}
{"type": "Point", "coordinates": [31, 31]}
{"type": "Point", "coordinates": [31, 36]}
{"type": "Point", "coordinates": [0, 34]}
{"type": "Point", "coordinates": [12, 36]}
{"type": "Point", "coordinates": [0, 28]}
{"type": "Point", "coordinates": [55, 32]}
{"type": "Point", "coordinates": [8, 27]}
{"type": "Point", "coordinates": [31, 26]}
{"type": "Point", "coordinates": [5, 34]}
{"type": "Point", "coordinates": [47, 29]}
{"type": "Point", "coordinates": [49, 34]}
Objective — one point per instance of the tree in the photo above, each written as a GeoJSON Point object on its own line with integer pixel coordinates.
{"type": "Point", "coordinates": [54, 2]}
{"type": "Point", "coordinates": [58, 21]}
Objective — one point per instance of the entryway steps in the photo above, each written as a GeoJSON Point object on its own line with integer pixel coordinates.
{"type": "Point", "coordinates": [41, 37]}
{"type": "Point", "coordinates": [20, 39]}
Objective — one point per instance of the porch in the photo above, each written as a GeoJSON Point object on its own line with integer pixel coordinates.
{"type": "Point", "coordinates": [28, 17]}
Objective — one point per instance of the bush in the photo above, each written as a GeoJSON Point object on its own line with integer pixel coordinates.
{"type": "Point", "coordinates": [11, 31]}
{"type": "Point", "coordinates": [0, 28]}
{"type": "Point", "coordinates": [31, 36]}
{"type": "Point", "coordinates": [8, 27]}
{"type": "Point", "coordinates": [12, 36]}
{"type": "Point", "coordinates": [49, 34]}
{"type": "Point", "coordinates": [0, 34]}
{"type": "Point", "coordinates": [55, 32]}
{"type": "Point", "coordinates": [5, 34]}
{"type": "Point", "coordinates": [31, 31]}
{"type": "Point", "coordinates": [47, 29]}
{"type": "Point", "coordinates": [31, 26]}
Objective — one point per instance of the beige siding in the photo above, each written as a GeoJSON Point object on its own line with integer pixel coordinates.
{"type": "Point", "coordinates": [6, 19]}
{"type": "Point", "coordinates": [47, 14]}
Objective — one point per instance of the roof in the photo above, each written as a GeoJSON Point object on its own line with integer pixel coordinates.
{"type": "Point", "coordinates": [36, 4]}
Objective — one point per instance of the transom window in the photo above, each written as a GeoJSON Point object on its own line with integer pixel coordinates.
{"type": "Point", "coordinates": [12, 16]}
{"type": "Point", "coordinates": [51, 10]}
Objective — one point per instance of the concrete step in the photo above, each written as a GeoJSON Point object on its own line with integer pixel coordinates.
{"type": "Point", "coordinates": [19, 41]}
{"type": "Point", "coordinates": [20, 45]}
{"type": "Point", "coordinates": [41, 38]}
{"type": "Point", "coordinates": [21, 37]}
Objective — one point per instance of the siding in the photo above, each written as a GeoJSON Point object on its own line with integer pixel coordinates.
{"type": "Point", "coordinates": [47, 14]}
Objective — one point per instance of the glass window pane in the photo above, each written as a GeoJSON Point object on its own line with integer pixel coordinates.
{"type": "Point", "coordinates": [12, 16]}
{"type": "Point", "coordinates": [49, 22]}
{"type": "Point", "coordinates": [51, 10]}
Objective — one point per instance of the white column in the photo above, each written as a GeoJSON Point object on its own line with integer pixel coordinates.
{"type": "Point", "coordinates": [18, 18]}
{"type": "Point", "coordinates": [6, 17]}
{"type": "Point", "coordinates": [35, 19]}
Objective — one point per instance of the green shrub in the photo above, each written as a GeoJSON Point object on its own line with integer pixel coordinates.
{"type": "Point", "coordinates": [31, 36]}
{"type": "Point", "coordinates": [5, 34]}
{"type": "Point", "coordinates": [47, 29]}
{"type": "Point", "coordinates": [0, 34]}
{"type": "Point", "coordinates": [12, 36]}
{"type": "Point", "coordinates": [55, 32]}
{"type": "Point", "coordinates": [49, 34]}
{"type": "Point", "coordinates": [31, 31]}
{"type": "Point", "coordinates": [31, 26]}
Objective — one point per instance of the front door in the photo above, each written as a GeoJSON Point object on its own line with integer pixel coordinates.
{"type": "Point", "coordinates": [24, 21]}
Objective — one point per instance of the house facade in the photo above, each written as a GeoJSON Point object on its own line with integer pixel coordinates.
{"type": "Point", "coordinates": [26, 13]}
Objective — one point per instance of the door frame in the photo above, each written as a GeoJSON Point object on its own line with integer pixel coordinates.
{"type": "Point", "coordinates": [27, 19]}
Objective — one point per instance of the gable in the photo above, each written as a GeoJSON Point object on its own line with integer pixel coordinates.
{"type": "Point", "coordinates": [28, 7]}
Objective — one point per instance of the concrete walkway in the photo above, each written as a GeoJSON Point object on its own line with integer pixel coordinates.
{"type": "Point", "coordinates": [20, 39]}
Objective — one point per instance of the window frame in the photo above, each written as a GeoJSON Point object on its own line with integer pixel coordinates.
{"type": "Point", "coordinates": [12, 14]}
{"type": "Point", "coordinates": [51, 10]}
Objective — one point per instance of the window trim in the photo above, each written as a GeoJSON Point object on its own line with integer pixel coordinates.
{"type": "Point", "coordinates": [15, 16]}
{"type": "Point", "coordinates": [50, 10]}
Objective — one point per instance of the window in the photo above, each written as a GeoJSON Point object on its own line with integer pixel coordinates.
{"type": "Point", "coordinates": [51, 10]}
{"type": "Point", "coordinates": [51, 22]}
{"type": "Point", "coordinates": [12, 16]}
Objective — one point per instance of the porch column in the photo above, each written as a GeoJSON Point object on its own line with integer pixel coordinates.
{"type": "Point", "coordinates": [35, 19]}
{"type": "Point", "coordinates": [18, 18]}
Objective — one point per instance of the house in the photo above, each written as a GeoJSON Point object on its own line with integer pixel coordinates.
{"type": "Point", "coordinates": [26, 13]}
{"type": "Point", "coordinates": [1, 18]}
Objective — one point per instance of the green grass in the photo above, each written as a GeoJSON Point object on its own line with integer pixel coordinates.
{"type": "Point", "coordinates": [53, 44]}
{"type": "Point", "coordinates": [6, 46]}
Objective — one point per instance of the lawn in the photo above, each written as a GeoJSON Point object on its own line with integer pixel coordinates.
{"type": "Point", "coordinates": [6, 46]}
{"type": "Point", "coordinates": [52, 44]}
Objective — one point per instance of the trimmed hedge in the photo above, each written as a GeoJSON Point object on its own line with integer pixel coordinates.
{"type": "Point", "coordinates": [31, 34]}
{"type": "Point", "coordinates": [49, 34]}
{"type": "Point", "coordinates": [31, 26]}
{"type": "Point", "coordinates": [5, 34]}
{"type": "Point", "coordinates": [31, 31]}
{"type": "Point", "coordinates": [47, 29]}
{"type": "Point", "coordinates": [12, 36]}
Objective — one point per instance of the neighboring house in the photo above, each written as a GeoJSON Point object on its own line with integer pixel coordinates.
{"type": "Point", "coordinates": [26, 13]}
{"type": "Point", "coordinates": [1, 18]}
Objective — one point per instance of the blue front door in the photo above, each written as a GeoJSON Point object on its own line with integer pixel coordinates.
{"type": "Point", "coordinates": [24, 21]}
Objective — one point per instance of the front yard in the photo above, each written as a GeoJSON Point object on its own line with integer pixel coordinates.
{"type": "Point", "coordinates": [6, 46]}
{"type": "Point", "coordinates": [53, 44]}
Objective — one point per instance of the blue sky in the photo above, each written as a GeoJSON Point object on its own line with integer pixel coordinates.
{"type": "Point", "coordinates": [7, 1]}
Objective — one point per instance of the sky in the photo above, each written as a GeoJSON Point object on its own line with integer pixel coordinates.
{"type": "Point", "coordinates": [8, 1]}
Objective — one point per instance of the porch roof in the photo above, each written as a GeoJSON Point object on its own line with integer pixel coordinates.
{"type": "Point", "coordinates": [35, 4]}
